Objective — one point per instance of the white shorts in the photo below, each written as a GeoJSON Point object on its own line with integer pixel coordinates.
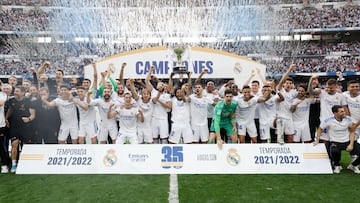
{"type": "Point", "coordinates": [200, 133]}
{"type": "Point", "coordinates": [264, 129]}
{"type": "Point", "coordinates": [132, 138]}
{"type": "Point", "coordinates": [302, 133]}
{"type": "Point", "coordinates": [88, 129]}
{"type": "Point", "coordinates": [249, 127]}
{"type": "Point", "coordinates": [144, 135]}
{"type": "Point", "coordinates": [288, 126]}
{"type": "Point", "coordinates": [182, 130]}
{"type": "Point", "coordinates": [108, 130]}
{"type": "Point", "coordinates": [66, 130]}
{"type": "Point", "coordinates": [160, 127]}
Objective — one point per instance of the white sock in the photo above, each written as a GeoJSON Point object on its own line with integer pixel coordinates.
{"type": "Point", "coordinates": [13, 162]}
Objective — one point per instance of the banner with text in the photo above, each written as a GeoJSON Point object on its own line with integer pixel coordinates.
{"type": "Point", "coordinates": [174, 159]}
{"type": "Point", "coordinates": [220, 64]}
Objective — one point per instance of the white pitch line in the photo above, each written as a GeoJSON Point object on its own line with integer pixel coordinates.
{"type": "Point", "coordinates": [174, 190]}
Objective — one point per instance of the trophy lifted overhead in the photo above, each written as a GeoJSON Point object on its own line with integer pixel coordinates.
{"type": "Point", "coordinates": [179, 68]}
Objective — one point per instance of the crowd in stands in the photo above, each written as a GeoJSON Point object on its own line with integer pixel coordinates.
{"type": "Point", "coordinates": [19, 20]}
{"type": "Point", "coordinates": [295, 18]}
{"type": "Point", "coordinates": [309, 56]}
{"type": "Point", "coordinates": [293, 48]}
{"type": "Point", "coordinates": [327, 17]}
{"type": "Point", "coordinates": [196, 2]}
{"type": "Point", "coordinates": [16, 67]}
{"type": "Point", "coordinates": [313, 65]}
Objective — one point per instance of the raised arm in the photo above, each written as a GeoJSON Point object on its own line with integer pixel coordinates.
{"type": "Point", "coordinates": [133, 90]}
{"type": "Point", "coordinates": [95, 82]}
{"type": "Point", "coordinates": [34, 76]}
{"type": "Point", "coordinates": [102, 81]}
{"type": "Point", "coordinates": [140, 82]}
{"type": "Point", "coordinates": [251, 76]}
{"type": "Point", "coordinates": [285, 76]}
{"type": "Point", "coordinates": [88, 98]}
{"type": "Point", "coordinates": [121, 76]}
{"type": "Point", "coordinates": [261, 76]}
{"type": "Point", "coordinates": [42, 68]}
{"type": "Point", "coordinates": [310, 88]}
{"type": "Point", "coordinates": [189, 87]}
{"type": "Point", "coordinates": [171, 83]}
{"type": "Point", "coordinates": [148, 78]}
{"type": "Point", "coordinates": [198, 79]}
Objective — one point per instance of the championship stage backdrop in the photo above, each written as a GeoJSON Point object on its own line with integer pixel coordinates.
{"type": "Point", "coordinates": [220, 64]}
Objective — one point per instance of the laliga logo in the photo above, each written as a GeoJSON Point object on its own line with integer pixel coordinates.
{"type": "Point", "coordinates": [110, 158]}
{"type": "Point", "coordinates": [232, 157]}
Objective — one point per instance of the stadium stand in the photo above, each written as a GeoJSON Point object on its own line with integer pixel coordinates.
{"type": "Point", "coordinates": [333, 25]}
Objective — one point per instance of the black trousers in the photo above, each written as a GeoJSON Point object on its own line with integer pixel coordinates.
{"type": "Point", "coordinates": [4, 155]}
{"type": "Point", "coordinates": [337, 147]}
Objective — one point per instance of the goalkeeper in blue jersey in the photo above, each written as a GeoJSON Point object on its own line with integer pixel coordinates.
{"type": "Point", "coordinates": [224, 117]}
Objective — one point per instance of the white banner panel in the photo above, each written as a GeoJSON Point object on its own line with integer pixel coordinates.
{"type": "Point", "coordinates": [174, 159]}
{"type": "Point", "coordinates": [220, 64]}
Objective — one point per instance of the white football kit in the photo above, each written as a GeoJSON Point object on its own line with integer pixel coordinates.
{"type": "Point", "coordinates": [69, 120]}
{"type": "Point", "coordinates": [107, 126]}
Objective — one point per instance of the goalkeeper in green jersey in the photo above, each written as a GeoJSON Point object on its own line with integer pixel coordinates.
{"type": "Point", "coordinates": [224, 117]}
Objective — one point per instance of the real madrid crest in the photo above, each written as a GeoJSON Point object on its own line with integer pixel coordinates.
{"type": "Point", "coordinates": [233, 158]}
{"type": "Point", "coordinates": [110, 158]}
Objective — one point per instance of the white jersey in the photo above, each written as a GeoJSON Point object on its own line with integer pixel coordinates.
{"type": "Point", "coordinates": [337, 130]}
{"type": "Point", "coordinates": [180, 111]}
{"type": "Point", "coordinates": [237, 97]}
{"type": "Point", "coordinates": [259, 94]}
{"type": "Point", "coordinates": [283, 110]}
{"type": "Point", "coordinates": [198, 109]}
{"type": "Point", "coordinates": [86, 116]}
{"type": "Point", "coordinates": [327, 101]}
{"type": "Point", "coordinates": [301, 114]}
{"type": "Point", "coordinates": [267, 109]}
{"type": "Point", "coordinates": [147, 109]}
{"type": "Point", "coordinates": [103, 110]}
{"type": "Point", "coordinates": [67, 111]}
{"type": "Point", "coordinates": [353, 105]}
{"type": "Point", "coordinates": [127, 120]}
{"type": "Point", "coordinates": [245, 110]}
{"type": "Point", "coordinates": [160, 112]}
{"type": "Point", "coordinates": [3, 97]}
{"type": "Point", "coordinates": [119, 100]}
{"type": "Point", "coordinates": [210, 107]}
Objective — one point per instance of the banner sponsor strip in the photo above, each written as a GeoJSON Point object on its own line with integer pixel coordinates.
{"type": "Point", "coordinates": [174, 159]}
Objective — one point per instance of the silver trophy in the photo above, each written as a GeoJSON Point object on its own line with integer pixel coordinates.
{"type": "Point", "coordinates": [179, 68]}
